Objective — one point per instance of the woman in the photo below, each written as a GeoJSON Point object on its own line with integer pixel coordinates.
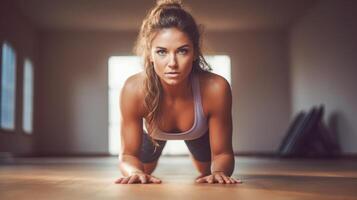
{"type": "Point", "coordinates": [178, 98]}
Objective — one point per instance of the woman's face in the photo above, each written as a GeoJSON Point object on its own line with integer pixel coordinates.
{"type": "Point", "coordinates": [172, 54]}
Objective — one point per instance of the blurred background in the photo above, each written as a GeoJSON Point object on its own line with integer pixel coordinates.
{"type": "Point", "coordinates": [63, 64]}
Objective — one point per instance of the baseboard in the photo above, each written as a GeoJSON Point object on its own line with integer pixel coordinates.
{"type": "Point", "coordinates": [6, 157]}
{"type": "Point", "coordinates": [257, 154]}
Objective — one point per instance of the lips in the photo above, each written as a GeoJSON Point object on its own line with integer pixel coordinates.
{"type": "Point", "coordinates": [172, 74]}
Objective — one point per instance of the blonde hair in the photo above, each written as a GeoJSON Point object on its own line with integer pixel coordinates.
{"type": "Point", "coordinates": [166, 14]}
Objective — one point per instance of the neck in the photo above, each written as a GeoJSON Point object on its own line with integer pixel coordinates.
{"type": "Point", "coordinates": [178, 91]}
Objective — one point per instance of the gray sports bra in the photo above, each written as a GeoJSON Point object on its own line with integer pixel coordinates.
{"type": "Point", "coordinates": [200, 126]}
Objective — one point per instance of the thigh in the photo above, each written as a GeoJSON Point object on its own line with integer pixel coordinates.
{"type": "Point", "coordinates": [200, 148]}
{"type": "Point", "coordinates": [149, 153]}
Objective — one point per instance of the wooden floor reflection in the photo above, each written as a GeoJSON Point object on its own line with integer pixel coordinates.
{"type": "Point", "coordinates": [93, 178]}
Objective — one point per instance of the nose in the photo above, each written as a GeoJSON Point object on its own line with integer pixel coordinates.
{"type": "Point", "coordinates": [172, 61]}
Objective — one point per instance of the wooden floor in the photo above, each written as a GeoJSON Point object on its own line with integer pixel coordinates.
{"type": "Point", "coordinates": [92, 178]}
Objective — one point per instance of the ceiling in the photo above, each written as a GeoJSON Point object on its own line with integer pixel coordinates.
{"type": "Point", "coordinates": [126, 15]}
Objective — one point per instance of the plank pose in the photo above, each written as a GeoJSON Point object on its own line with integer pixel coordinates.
{"type": "Point", "coordinates": [176, 98]}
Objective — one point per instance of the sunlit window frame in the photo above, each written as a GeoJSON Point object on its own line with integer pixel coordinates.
{"type": "Point", "coordinates": [8, 44]}
{"type": "Point", "coordinates": [31, 100]}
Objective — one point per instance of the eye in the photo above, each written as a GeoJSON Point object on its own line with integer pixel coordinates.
{"type": "Point", "coordinates": [183, 51]}
{"type": "Point", "coordinates": [161, 52]}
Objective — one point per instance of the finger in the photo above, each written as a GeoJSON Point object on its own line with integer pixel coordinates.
{"type": "Point", "coordinates": [154, 179]}
{"type": "Point", "coordinates": [143, 179]}
{"type": "Point", "coordinates": [237, 180]}
{"type": "Point", "coordinates": [125, 180]}
{"type": "Point", "coordinates": [233, 180]}
{"type": "Point", "coordinates": [219, 178]}
{"type": "Point", "coordinates": [210, 179]}
{"type": "Point", "coordinates": [200, 176]}
{"type": "Point", "coordinates": [201, 180]}
{"type": "Point", "coordinates": [118, 180]}
{"type": "Point", "coordinates": [226, 179]}
{"type": "Point", "coordinates": [133, 179]}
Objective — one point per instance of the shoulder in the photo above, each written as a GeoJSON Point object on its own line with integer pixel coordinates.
{"type": "Point", "coordinates": [213, 85]}
{"type": "Point", "coordinates": [134, 83]}
{"type": "Point", "coordinates": [216, 92]}
{"type": "Point", "coordinates": [133, 92]}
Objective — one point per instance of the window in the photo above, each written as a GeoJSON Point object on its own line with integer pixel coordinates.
{"type": "Point", "coordinates": [27, 97]}
{"type": "Point", "coordinates": [119, 69]}
{"type": "Point", "coordinates": [8, 85]}
{"type": "Point", "coordinates": [221, 65]}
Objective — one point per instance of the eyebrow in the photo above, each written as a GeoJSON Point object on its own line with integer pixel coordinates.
{"type": "Point", "coordinates": [186, 45]}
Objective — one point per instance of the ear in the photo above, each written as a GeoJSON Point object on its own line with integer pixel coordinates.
{"type": "Point", "coordinates": [151, 61]}
{"type": "Point", "coordinates": [150, 58]}
{"type": "Point", "coordinates": [195, 56]}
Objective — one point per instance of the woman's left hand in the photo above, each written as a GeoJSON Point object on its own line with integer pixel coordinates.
{"type": "Point", "coordinates": [218, 177]}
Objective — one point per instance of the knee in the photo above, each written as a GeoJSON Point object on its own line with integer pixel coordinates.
{"type": "Point", "coordinates": [202, 167]}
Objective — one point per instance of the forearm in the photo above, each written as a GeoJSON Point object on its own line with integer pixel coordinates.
{"type": "Point", "coordinates": [130, 164]}
{"type": "Point", "coordinates": [223, 163]}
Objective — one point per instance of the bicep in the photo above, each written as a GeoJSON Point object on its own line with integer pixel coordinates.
{"type": "Point", "coordinates": [220, 121]}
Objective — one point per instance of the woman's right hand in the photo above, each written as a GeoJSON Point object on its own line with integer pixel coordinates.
{"type": "Point", "coordinates": [138, 177]}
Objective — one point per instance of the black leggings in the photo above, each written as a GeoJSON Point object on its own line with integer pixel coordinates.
{"type": "Point", "coordinates": [200, 149]}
